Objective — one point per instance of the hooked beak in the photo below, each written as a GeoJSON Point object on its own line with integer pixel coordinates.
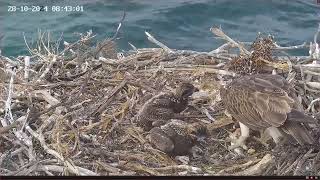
{"type": "Point", "coordinates": [195, 89]}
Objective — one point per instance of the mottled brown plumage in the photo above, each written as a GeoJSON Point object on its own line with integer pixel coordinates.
{"type": "Point", "coordinates": [176, 137]}
{"type": "Point", "coordinates": [162, 107]}
{"type": "Point", "coordinates": [262, 101]}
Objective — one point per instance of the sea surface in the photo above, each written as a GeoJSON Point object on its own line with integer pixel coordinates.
{"type": "Point", "coordinates": [180, 24]}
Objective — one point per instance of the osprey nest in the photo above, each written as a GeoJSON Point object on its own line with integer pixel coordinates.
{"type": "Point", "coordinates": [72, 111]}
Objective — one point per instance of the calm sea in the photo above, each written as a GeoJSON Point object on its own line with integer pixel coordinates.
{"type": "Point", "coordinates": [180, 24]}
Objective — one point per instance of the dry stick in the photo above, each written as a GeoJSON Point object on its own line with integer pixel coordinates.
{"type": "Point", "coordinates": [312, 73]}
{"type": "Point", "coordinates": [22, 169]}
{"type": "Point", "coordinates": [114, 36]}
{"type": "Point", "coordinates": [221, 48]}
{"type": "Point", "coordinates": [58, 42]}
{"type": "Point", "coordinates": [277, 47]}
{"type": "Point", "coordinates": [315, 163]}
{"type": "Point", "coordinates": [109, 98]}
{"type": "Point", "coordinates": [208, 70]}
{"type": "Point", "coordinates": [132, 46]}
{"type": "Point", "coordinates": [160, 44]}
{"type": "Point", "coordinates": [60, 169]}
{"type": "Point", "coordinates": [54, 59]}
{"type": "Point", "coordinates": [28, 47]}
{"type": "Point", "coordinates": [11, 62]}
{"type": "Point", "coordinates": [26, 67]}
{"type": "Point", "coordinates": [108, 167]}
{"type": "Point", "coordinates": [286, 170]}
{"type": "Point", "coordinates": [258, 168]}
{"type": "Point", "coordinates": [238, 166]}
{"type": "Point", "coordinates": [311, 105]}
{"type": "Point", "coordinates": [208, 115]}
{"type": "Point", "coordinates": [315, 38]}
{"type": "Point", "coordinates": [218, 32]}
{"type": "Point", "coordinates": [179, 168]}
{"type": "Point", "coordinates": [19, 134]}
{"type": "Point", "coordinates": [300, 163]}
{"type": "Point", "coordinates": [9, 99]}
{"type": "Point", "coordinates": [72, 168]}
{"type": "Point", "coordinates": [43, 44]}
{"type": "Point", "coordinates": [74, 44]}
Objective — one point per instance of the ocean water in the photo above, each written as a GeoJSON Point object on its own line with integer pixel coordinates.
{"type": "Point", "coordinates": [180, 24]}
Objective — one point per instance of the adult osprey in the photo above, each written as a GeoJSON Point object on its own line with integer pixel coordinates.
{"type": "Point", "coordinates": [266, 101]}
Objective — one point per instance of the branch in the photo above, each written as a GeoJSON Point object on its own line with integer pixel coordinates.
{"type": "Point", "coordinates": [277, 47]}
{"type": "Point", "coordinates": [160, 44]}
{"type": "Point", "coordinates": [54, 153]}
{"type": "Point", "coordinates": [108, 99]}
{"type": "Point", "coordinates": [54, 59]}
{"type": "Point", "coordinates": [218, 32]}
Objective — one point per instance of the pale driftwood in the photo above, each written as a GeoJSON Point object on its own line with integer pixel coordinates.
{"type": "Point", "coordinates": [155, 41]}
{"type": "Point", "coordinates": [47, 97]}
{"type": "Point", "coordinates": [221, 49]}
{"type": "Point", "coordinates": [258, 168]}
{"type": "Point", "coordinates": [301, 46]}
{"type": "Point", "coordinates": [179, 168]}
{"type": "Point", "coordinates": [54, 59]}
{"type": "Point", "coordinates": [26, 67]}
{"type": "Point", "coordinates": [233, 169]}
{"type": "Point", "coordinates": [218, 32]}
{"type": "Point", "coordinates": [61, 169]}
{"type": "Point", "coordinates": [68, 164]}
{"type": "Point", "coordinates": [311, 105]}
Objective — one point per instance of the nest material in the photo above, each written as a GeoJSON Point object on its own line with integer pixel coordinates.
{"type": "Point", "coordinates": [76, 113]}
{"type": "Point", "coordinates": [258, 60]}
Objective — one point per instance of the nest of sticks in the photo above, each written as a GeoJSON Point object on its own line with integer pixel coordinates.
{"type": "Point", "coordinates": [71, 111]}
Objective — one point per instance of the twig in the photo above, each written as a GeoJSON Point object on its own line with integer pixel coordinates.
{"type": "Point", "coordinates": [109, 98]}
{"type": "Point", "coordinates": [205, 111]}
{"type": "Point", "coordinates": [258, 168]}
{"type": "Point", "coordinates": [26, 67]}
{"type": "Point", "coordinates": [133, 47]}
{"type": "Point", "coordinates": [114, 36]}
{"type": "Point", "coordinates": [277, 47]}
{"type": "Point", "coordinates": [109, 168]}
{"type": "Point", "coordinates": [8, 113]}
{"type": "Point", "coordinates": [218, 32]}
{"type": "Point", "coordinates": [54, 153]}
{"type": "Point", "coordinates": [28, 47]}
{"type": "Point", "coordinates": [311, 105]}
{"type": "Point", "coordinates": [229, 170]}
{"type": "Point", "coordinates": [300, 163]}
{"type": "Point", "coordinates": [221, 49]}
{"type": "Point", "coordinates": [179, 168]}
{"type": "Point", "coordinates": [54, 59]}
{"type": "Point", "coordinates": [155, 41]}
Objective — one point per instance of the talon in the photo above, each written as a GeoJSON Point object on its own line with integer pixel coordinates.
{"type": "Point", "coordinates": [240, 142]}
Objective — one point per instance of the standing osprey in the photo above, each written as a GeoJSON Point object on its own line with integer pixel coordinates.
{"type": "Point", "coordinates": [162, 107]}
{"type": "Point", "coordinates": [265, 101]}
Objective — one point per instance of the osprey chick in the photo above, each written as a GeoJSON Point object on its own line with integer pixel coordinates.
{"type": "Point", "coordinates": [162, 107]}
{"type": "Point", "coordinates": [176, 137]}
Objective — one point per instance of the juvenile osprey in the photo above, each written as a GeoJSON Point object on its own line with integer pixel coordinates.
{"type": "Point", "coordinates": [176, 137]}
{"type": "Point", "coordinates": [265, 101]}
{"type": "Point", "coordinates": [162, 107]}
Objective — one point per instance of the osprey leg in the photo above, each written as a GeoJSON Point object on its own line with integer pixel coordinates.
{"type": "Point", "coordinates": [240, 142]}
